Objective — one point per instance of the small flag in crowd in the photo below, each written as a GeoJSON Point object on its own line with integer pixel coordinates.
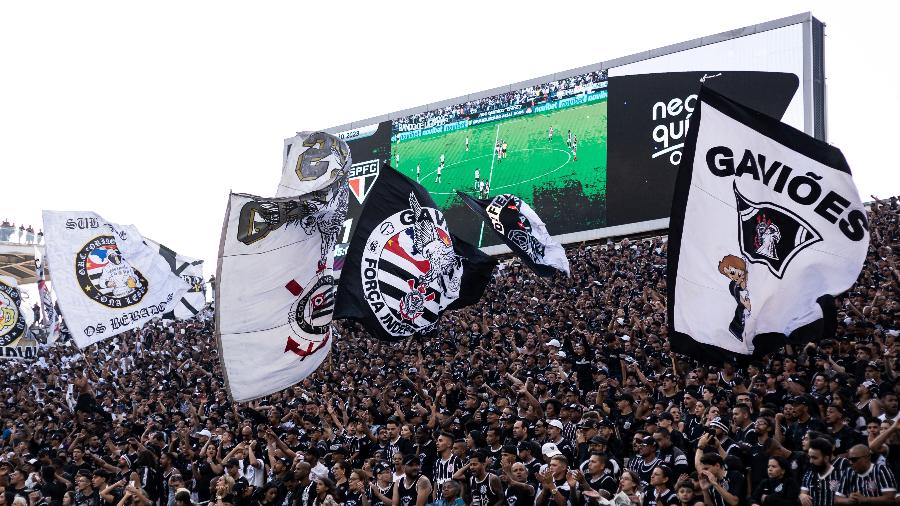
{"type": "Point", "coordinates": [16, 341]}
{"type": "Point", "coordinates": [403, 266]}
{"type": "Point", "coordinates": [191, 271]}
{"type": "Point", "coordinates": [767, 226]}
{"type": "Point", "coordinates": [50, 316]}
{"type": "Point", "coordinates": [275, 281]}
{"type": "Point", "coordinates": [106, 279]}
{"type": "Point", "coordinates": [522, 230]}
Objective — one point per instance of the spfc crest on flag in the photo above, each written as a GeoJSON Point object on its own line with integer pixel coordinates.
{"type": "Point", "coordinates": [362, 177]}
{"type": "Point", "coordinates": [770, 234]}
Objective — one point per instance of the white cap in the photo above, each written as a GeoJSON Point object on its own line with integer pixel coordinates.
{"type": "Point", "coordinates": [554, 342]}
{"type": "Point", "coordinates": [626, 337]}
{"type": "Point", "coordinates": [204, 432]}
{"type": "Point", "coordinates": [550, 450]}
{"type": "Point", "coordinates": [555, 423]}
{"type": "Point", "coordinates": [561, 354]}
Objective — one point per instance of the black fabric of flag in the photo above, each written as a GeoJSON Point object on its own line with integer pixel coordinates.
{"type": "Point", "coordinates": [766, 228]}
{"type": "Point", "coordinates": [522, 230]}
{"type": "Point", "coordinates": [403, 266]}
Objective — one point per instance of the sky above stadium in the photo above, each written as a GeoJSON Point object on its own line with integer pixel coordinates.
{"type": "Point", "coordinates": [149, 113]}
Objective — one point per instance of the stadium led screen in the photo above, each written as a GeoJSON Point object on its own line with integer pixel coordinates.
{"type": "Point", "coordinates": [594, 151]}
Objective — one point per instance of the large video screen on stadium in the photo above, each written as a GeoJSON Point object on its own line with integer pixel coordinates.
{"type": "Point", "coordinates": [594, 152]}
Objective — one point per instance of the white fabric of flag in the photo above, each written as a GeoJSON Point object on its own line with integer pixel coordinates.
{"type": "Point", "coordinates": [312, 161]}
{"type": "Point", "coordinates": [766, 225]}
{"type": "Point", "coordinates": [106, 278]}
{"type": "Point", "coordinates": [191, 271]}
{"type": "Point", "coordinates": [275, 284]}
{"type": "Point", "coordinates": [50, 316]}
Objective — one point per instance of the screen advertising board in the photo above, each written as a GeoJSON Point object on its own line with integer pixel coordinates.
{"type": "Point", "coordinates": [594, 152]}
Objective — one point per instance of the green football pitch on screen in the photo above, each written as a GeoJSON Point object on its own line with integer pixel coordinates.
{"type": "Point", "coordinates": [534, 162]}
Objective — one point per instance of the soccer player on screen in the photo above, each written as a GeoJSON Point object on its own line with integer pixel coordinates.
{"type": "Point", "coordinates": [503, 149]}
{"type": "Point", "coordinates": [569, 138]}
{"type": "Point", "coordinates": [442, 160]}
{"type": "Point", "coordinates": [467, 144]}
{"type": "Point", "coordinates": [418, 171]}
{"type": "Point", "coordinates": [477, 177]}
{"type": "Point", "coordinates": [439, 169]}
{"type": "Point", "coordinates": [550, 134]}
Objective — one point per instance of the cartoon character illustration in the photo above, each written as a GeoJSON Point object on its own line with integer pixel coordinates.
{"type": "Point", "coordinates": [767, 236]}
{"type": "Point", "coordinates": [327, 217]}
{"type": "Point", "coordinates": [118, 275]}
{"type": "Point", "coordinates": [735, 269]}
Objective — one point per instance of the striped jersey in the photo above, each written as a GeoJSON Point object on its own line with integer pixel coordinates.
{"type": "Point", "coordinates": [443, 472]}
{"type": "Point", "coordinates": [872, 483]}
{"type": "Point", "coordinates": [821, 487]}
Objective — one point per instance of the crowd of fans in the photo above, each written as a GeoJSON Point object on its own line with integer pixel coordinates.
{"type": "Point", "coordinates": [25, 234]}
{"type": "Point", "coordinates": [523, 97]}
{"type": "Point", "coordinates": [559, 393]}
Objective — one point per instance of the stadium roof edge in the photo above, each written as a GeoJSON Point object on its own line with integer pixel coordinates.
{"type": "Point", "coordinates": [802, 17]}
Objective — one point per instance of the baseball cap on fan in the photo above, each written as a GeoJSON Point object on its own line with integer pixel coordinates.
{"type": "Point", "coordinates": [550, 450]}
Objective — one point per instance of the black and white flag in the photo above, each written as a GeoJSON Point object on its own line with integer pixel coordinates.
{"type": "Point", "coordinates": [16, 341]}
{"type": "Point", "coordinates": [767, 226]}
{"type": "Point", "coordinates": [522, 230]}
{"type": "Point", "coordinates": [403, 266]}
{"type": "Point", "coordinates": [191, 271]}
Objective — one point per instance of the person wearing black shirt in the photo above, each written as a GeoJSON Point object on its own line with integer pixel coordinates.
{"type": "Point", "coordinates": [356, 494]}
{"type": "Point", "coordinates": [483, 488]}
{"type": "Point", "coordinates": [554, 433]}
{"type": "Point", "coordinates": [413, 489]}
{"type": "Point", "coordinates": [804, 422]}
{"type": "Point", "coordinates": [598, 476]}
{"type": "Point", "coordinates": [670, 454]}
{"type": "Point", "coordinates": [383, 488]}
{"type": "Point", "coordinates": [397, 443]}
{"type": "Point", "coordinates": [779, 489]}
{"type": "Point", "coordinates": [660, 493]}
{"type": "Point", "coordinates": [744, 430]}
{"type": "Point", "coordinates": [516, 490]}
{"type": "Point", "coordinates": [645, 459]}
{"type": "Point", "coordinates": [52, 487]}
{"type": "Point", "coordinates": [426, 449]}
{"type": "Point", "coordinates": [16, 484]}
{"type": "Point", "coordinates": [719, 488]}
{"type": "Point", "coordinates": [844, 437]}
{"type": "Point", "coordinates": [85, 495]}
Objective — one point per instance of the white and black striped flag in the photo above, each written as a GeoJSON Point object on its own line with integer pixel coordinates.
{"type": "Point", "coordinates": [191, 271]}
{"type": "Point", "coordinates": [767, 226]}
{"type": "Point", "coordinates": [403, 266]}
{"type": "Point", "coordinates": [522, 230]}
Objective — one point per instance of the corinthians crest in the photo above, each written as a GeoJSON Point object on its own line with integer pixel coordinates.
{"type": "Point", "coordinates": [12, 323]}
{"type": "Point", "coordinates": [770, 234]}
{"type": "Point", "coordinates": [310, 316]}
{"type": "Point", "coordinates": [105, 275]}
{"type": "Point", "coordinates": [409, 269]}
